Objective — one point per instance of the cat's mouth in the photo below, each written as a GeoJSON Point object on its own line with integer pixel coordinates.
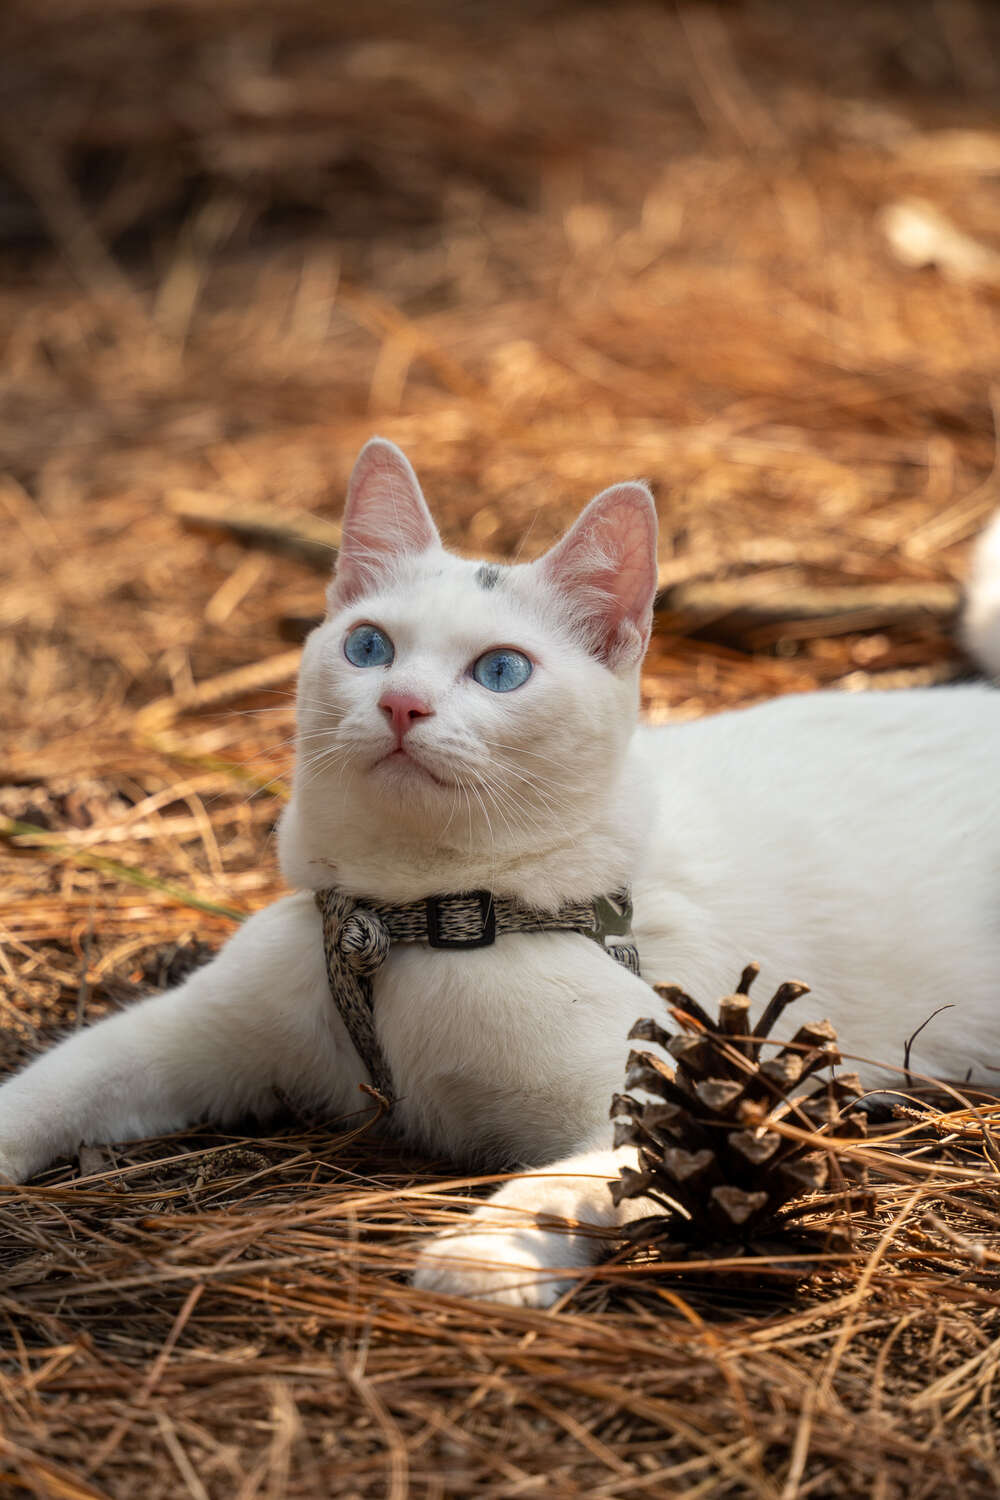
{"type": "Point", "coordinates": [401, 762]}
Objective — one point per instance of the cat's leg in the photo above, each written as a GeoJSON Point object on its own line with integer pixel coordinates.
{"type": "Point", "coordinates": [523, 1246]}
{"type": "Point", "coordinates": [256, 1019]}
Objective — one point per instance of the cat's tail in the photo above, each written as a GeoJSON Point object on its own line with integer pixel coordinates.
{"type": "Point", "coordinates": [981, 612]}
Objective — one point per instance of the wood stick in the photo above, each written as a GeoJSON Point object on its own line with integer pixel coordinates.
{"type": "Point", "coordinates": [217, 690]}
{"type": "Point", "coordinates": [307, 538]}
{"type": "Point", "coordinates": [744, 603]}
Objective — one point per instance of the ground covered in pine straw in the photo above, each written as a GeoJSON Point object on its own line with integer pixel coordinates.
{"type": "Point", "coordinates": [749, 252]}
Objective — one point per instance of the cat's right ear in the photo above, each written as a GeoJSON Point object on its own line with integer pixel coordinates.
{"type": "Point", "coordinates": [386, 517]}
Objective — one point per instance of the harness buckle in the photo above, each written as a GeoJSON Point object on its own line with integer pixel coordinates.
{"type": "Point", "coordinates": [487, 917]}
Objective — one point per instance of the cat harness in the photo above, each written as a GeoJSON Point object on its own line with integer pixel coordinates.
{"type": "Point", "coordinates": [357, 936]}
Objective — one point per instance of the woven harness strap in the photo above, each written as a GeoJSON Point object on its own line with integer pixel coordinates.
{"type": "Point", "coordinates": [358, 934]}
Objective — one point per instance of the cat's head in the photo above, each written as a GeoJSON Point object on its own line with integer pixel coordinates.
{"type": "Point", "coordinates": [465, 706]}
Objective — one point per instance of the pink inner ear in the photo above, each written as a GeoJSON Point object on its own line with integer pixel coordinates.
{"type": "Point", "coordinates": [386, 517]}
{"type": "Point", "coordinates": [606, 567]}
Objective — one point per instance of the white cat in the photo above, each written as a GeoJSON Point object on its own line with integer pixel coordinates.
{"type": "Point", "coordinates": [462, 728]}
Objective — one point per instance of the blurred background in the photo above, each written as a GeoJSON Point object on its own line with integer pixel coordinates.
{"type": "Point", "coordinates": [748, 251]}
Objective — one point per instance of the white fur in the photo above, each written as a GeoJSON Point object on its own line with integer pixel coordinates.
{"type": "Point", "coordinates": [981, 620]}
{"type": "Point", "coordinates": [850, 842]}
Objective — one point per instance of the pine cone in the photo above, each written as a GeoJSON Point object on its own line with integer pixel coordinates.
{"type": "Point", "coordinates": [706, 1142]}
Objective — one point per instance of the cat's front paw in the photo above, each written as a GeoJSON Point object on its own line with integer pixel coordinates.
{"type": "Point", "coordinates": [518, 1267]}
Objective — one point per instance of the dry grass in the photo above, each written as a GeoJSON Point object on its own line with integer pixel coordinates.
{"type": "Point", "coordinates": [544, 248]}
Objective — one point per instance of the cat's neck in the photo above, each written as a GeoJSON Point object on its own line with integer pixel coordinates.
{"type": "Point", "coordinates": [593, 849]}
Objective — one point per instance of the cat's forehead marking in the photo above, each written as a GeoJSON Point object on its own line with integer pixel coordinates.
{"type": "Point", "coordinates": [488, 575]}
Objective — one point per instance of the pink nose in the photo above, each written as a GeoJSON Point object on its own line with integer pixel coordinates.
{"type": "Point", "coordinates": [403, 710]}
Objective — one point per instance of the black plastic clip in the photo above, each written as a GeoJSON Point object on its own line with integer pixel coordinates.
{"type": "Point", "coordinates": [487, 917]}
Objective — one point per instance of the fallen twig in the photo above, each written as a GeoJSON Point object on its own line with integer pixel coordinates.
{"type": "Point", "coordinates": [751, 602]}
{"type": "Point", "coordinates": [744, 602]}
{"type": "Point", "coordinates": [222, 689]}
{"type": "Point", "coordinates": [14, 832]}
{"type": "Point", "coordinates": [307, 538]}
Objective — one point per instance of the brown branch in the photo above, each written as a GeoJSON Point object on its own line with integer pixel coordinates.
{"type": "Point", "coordinates": [742, 603]}
{"type": "Point", "coordinates": [746, 603]}
{"type": "Point", "coordinates": [215, 691]}
{"type": "Point", "coordinates": [307, 538]}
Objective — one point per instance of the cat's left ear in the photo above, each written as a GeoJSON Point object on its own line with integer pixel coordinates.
{"type": "Point", "coordinates": [605, 569]}
{"type": "Point", "coordinates": [386, 517]}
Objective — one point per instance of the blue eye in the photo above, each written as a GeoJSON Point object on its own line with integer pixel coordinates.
{"type": "Point", "coordinates": [367, 646]}
{"type": "Point", "coordinates": [503, 670]}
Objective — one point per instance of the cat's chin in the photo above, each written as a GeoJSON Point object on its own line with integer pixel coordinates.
{"type": "Point", "coordinates": [401, 769]}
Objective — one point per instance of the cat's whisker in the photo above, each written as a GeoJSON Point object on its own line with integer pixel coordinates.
{"type": "Point", "coordinates": [502, 815]}
{"type": "Point", "coordinates": [326, 753]}
{"type": "Point", "coordinates": [507, 763]}
{"type": "Point", "coordinates": [259, 713]}
{"type": "Point", "coordinates": [502, 797]}
{"type": "Point", "coordinates": [558, 808]}
{"type": "Point", "coordinates": [468, 811]}
{"type": "Point", "coordinates": [563, 806]}
{"type": "Point", "coordinates": [313, 766]}
{"type": "Point", "coordinates": [518, 812]}
{"type": "Point", "coordinates": [539, 788]}
{"type": "Point", "coordinates": [451, 814]}
{"type": "Point", "coordinates": [555, 813]}
{"type": "Point", "coordinates": [489, 827]}
{"type": "Point", "coordinates": [514, 749]}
